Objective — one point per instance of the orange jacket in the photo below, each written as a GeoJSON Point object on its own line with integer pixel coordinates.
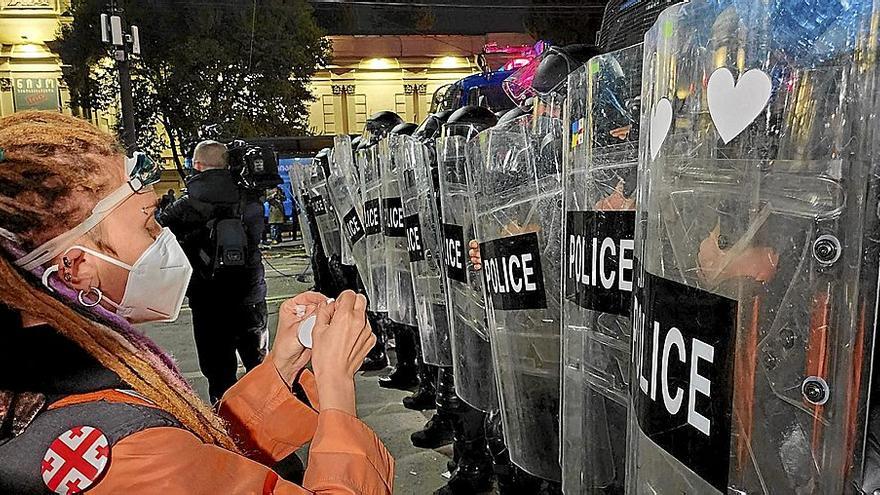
{"type": "Point", "coordinates": [345, 456]}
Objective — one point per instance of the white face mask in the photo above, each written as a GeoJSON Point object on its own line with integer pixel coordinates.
{"type": "Point", "coordinates": [157, 281]}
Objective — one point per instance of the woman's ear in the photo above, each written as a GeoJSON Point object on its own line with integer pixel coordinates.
{"type": "Point", "coordinates": [78, 269]}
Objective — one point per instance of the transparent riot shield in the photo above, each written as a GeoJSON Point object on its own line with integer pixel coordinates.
{"type": "Point", "coordinates": [299, 175]}
{"type": "Point", "coordinates": [424, 247]}
{"type": "Point", "coordinates": [756, 248]}
{"type": "Point", "coordinates": [601, 172]}
{"type": "Point", "coordinates": [347, 205]}
{"type": "Point", "coordinates": [325, 213]}
{"type": "Point", "coordinates": [345, 249]}
{"type": "Point", "coordinates": [401, 302]}
{"type": "Point", "coordinates": [347, 256]}
{"type": "Point", "coordinates": [519, 226]}
{"type": "Point", "coordinates": [370, 169]}
{"type": "Point", "coordinates": [466, 308]}
{"type": "Point", "coordinates": [348, 166]}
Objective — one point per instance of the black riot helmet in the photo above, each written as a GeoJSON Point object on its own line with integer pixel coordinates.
{"type": "Point", "coordinates": [405, 129]}
{"type": "Point", "coordinates": [558, 63]}
{"type": "Point", "coordinates": [469, 120]}
{"type": "Point", "coordinates": [444, 115]}
{"type": "Point", "coordinates": [549, 85]}
{"type": "Point", "coordinates": [464, 124]}
{"type": "Point", "coordinates": [355, 143]}
{"type": "Point", "coordinates": [378, 126]}
{"type": "Point", "coordinates": [549, 73]}
{"type": "Point", "coordinates": [430, 127]}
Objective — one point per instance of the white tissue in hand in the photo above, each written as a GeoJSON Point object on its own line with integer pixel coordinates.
{"type": "Point", "coordinates": [305, 328]}
{"type": "Point", "coordinates": [305, 331]}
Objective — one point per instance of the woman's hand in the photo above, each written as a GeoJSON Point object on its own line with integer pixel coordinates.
{"type": "Point", "coordinates": [341, 339]}
{"type": "Point", "coordinates": [288, 354]}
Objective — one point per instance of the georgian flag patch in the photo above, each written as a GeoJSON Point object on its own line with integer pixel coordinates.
{"type": "Point", "coordinates": [75, 460]}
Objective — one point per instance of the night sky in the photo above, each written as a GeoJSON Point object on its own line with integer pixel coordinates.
{"type": "Point", "coordinates": [460, 16]}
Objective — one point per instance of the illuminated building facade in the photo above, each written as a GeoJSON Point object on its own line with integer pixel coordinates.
{"type": "Point", "coordinates": [369, 73]}
{"type": "Point", "coordinates": [399, 73]}
{"type": "Point", "coordinates": [30, 74]}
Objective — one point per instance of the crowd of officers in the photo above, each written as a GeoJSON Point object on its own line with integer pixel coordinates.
{"type": "Point", "coordinates": [649, 276]}
{"type": "Point", "coordinates": [373, 208]}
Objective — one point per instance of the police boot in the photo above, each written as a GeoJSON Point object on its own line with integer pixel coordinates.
{"type": "Point", "coordinates": [469, 478]}
{"type": "Point", "coordinates": [438, 430]}
{"type": "Point", "coordinates": [376, 359]}
{"type": "Point", "coordinates": [404, 376]}
{"type": "Point", "coordinates": [436, 433]}
{"type": "Point", "coordinates": [509, 483]}
{"type": "Point", "coordinates": [473, 473]}
{"type": "Point", "coordinates": [425, 397]}
{"type": "Point", "coordinates": [514, 481]}
{"type": "Point", "coordinates": [511, 479]}
{"type": "Point", "coordinates": [451, 464]}
{"type": "Point", "coordinates": [446, 398]}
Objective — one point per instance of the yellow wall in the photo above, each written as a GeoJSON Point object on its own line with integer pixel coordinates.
{"type": "Point", "coordinates": [26, 26]}
{"type": "Point", "coordinates": [347, 94]}
{"type": "Point", "coordinates": [372, 73]}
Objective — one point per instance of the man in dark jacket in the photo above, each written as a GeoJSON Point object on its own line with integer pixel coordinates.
{"type": "Point", "coordinates": [228, 305]}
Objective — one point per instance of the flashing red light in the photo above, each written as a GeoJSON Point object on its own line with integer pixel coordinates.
{"type": "Point", "coordinates": [521, 51]}
{"type": "Point", "coordinates": [519, 56]}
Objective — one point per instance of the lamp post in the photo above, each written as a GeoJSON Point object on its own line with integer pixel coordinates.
{"type": "Point", "coordinates": [125, 45]}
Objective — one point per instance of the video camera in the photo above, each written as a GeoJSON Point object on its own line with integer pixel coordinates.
{"type": "Point", "coordinates": [254, 167]}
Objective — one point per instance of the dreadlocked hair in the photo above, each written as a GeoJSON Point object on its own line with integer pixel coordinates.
{"type": "Point", "coordinates": [53, 161]}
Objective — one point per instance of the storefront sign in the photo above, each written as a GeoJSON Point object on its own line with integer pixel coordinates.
{"type": "Point", "coordinates": [35, 93]}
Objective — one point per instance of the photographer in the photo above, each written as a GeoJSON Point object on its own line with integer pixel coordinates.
{"type": "Point", "coordinates": [228, 303]}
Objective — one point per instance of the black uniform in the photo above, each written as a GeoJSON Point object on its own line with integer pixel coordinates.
{"type": "Point", "coordinates": [229, 308]}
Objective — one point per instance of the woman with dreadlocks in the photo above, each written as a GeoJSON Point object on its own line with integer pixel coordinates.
{"type": "Point", "coordinates": [88, 404]}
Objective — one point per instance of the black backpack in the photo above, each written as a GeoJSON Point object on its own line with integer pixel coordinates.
{"type": "Point", "coordinates": [225, 246]}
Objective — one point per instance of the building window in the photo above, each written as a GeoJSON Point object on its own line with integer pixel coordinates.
{"type": "Point", "coordinates": [328, 108]}
{"type": "Point", "coordinates": [360, 114]}
{"type": "Point", "coordinates": [414, 103]}
{"type": "Point", "coordinates": [345, 112]}
{"type": "Point", "coordinates": [400, 106]}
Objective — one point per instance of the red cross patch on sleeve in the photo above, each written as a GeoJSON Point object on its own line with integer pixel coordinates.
{"type": "Point", "coordinates": [75, 460]}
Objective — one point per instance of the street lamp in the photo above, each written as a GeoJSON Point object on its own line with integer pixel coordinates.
{"type": "Point", "coordinates": [125, 45]}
